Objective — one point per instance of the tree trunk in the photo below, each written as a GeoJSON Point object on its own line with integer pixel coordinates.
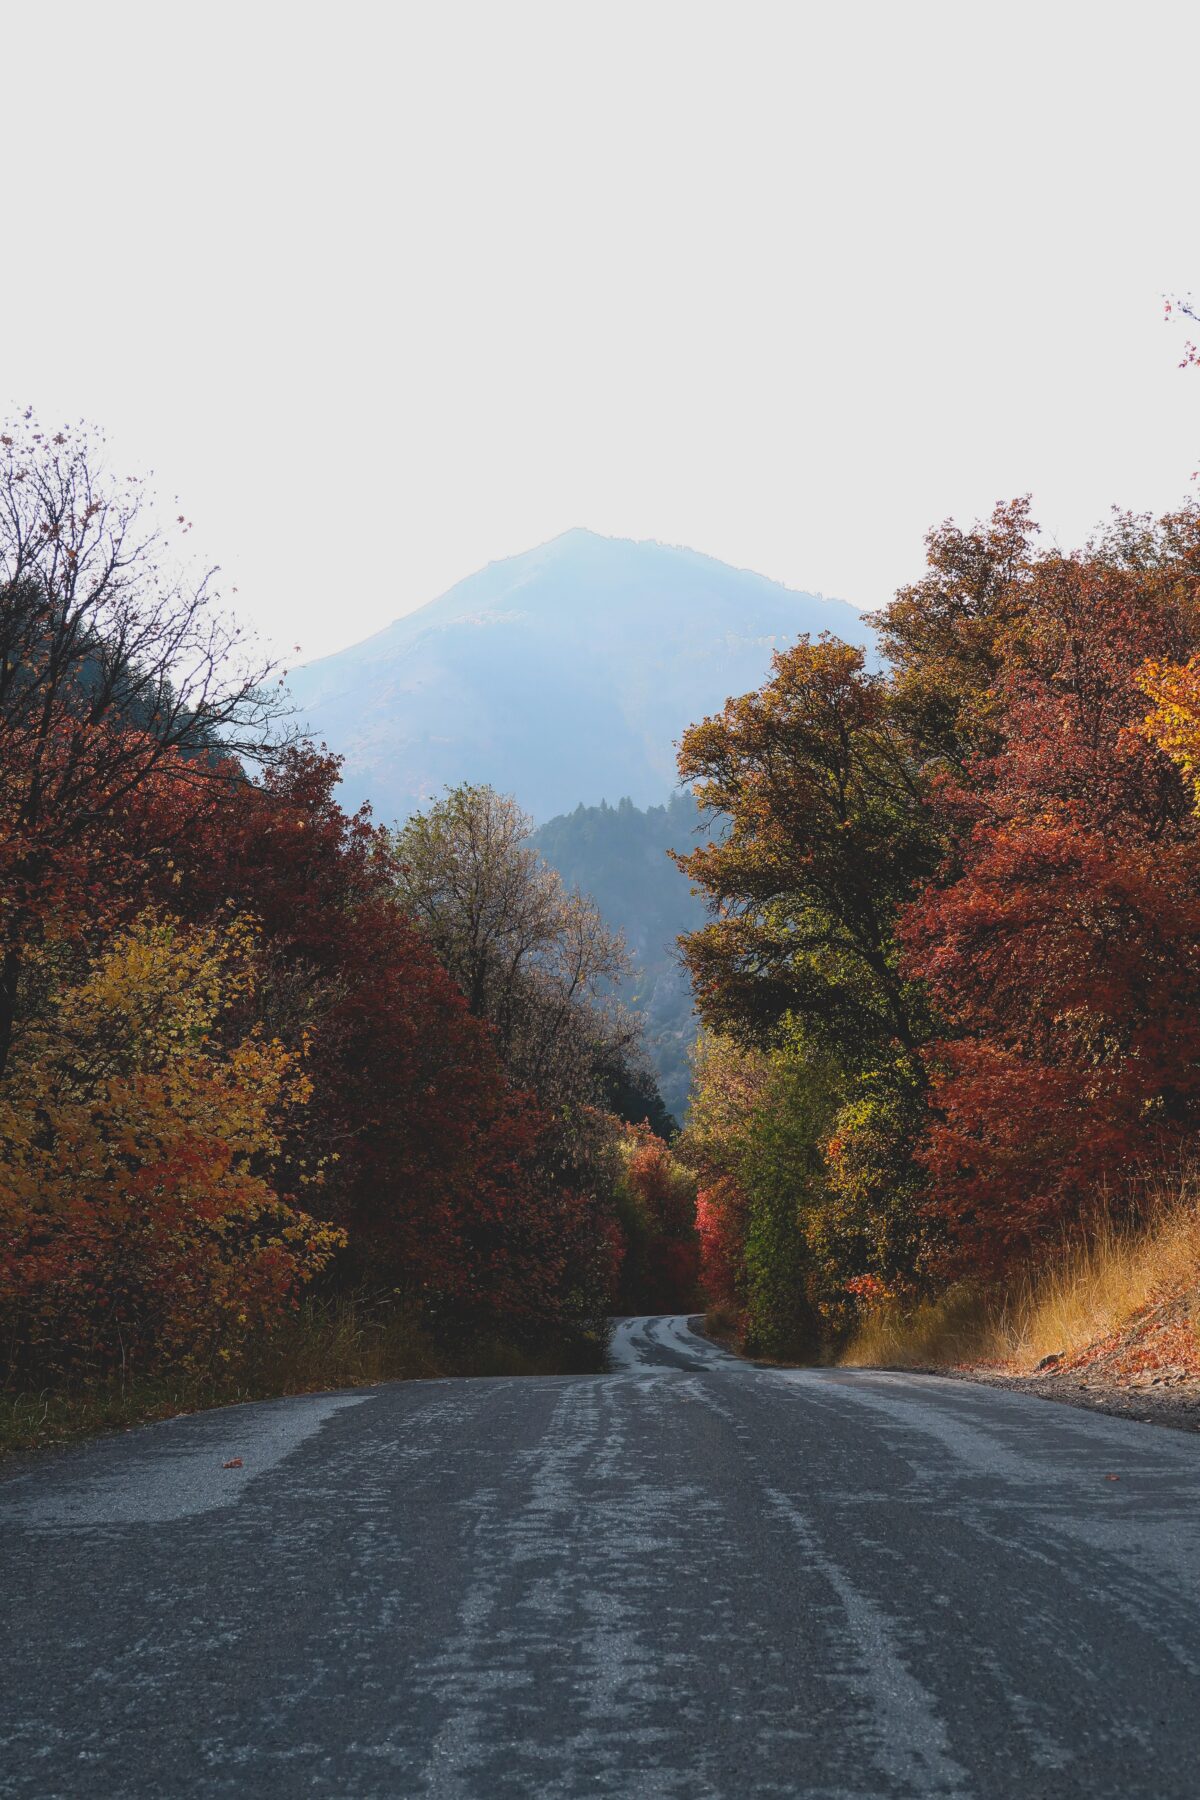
{"type": "Point", "coordinates": [10, 971]}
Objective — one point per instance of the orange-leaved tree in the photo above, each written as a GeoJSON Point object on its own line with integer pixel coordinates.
{"type": "Point", "coordinates": [140, 1218]}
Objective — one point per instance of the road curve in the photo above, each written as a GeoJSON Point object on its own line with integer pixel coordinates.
{"type": "Point", "coordinates": [689, 1577]}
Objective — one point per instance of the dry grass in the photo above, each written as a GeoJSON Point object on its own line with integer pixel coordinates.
{"type": "Point", "coordinates": [1100, 1285]}
{"type": "Point", "coordinates": [350, 1341]}
{"type": "Point", "coordinates": [956, 1328]}
{"type": "Point", "coordinates": [344, 1342]}
{"type": "Point", "coordinates": [1105, 1284]}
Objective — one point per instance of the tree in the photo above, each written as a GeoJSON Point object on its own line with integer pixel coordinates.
{"type": "Point", "coordinates": [947, 637]}
{"type": "Point", "coordinates": [953, 945]}
{"type": "Point", "coordinates": [828, 835]}
{"type": "Point", "coordinates": [628, 1088]}
{"type": "Point", "coordinates": [532, 958]}
{"type": "Point", "coordinates": [1184, 307]}
{"type": "Point", "coordinates": [113, 670]}
{"type": "Point", "coordinates": [831, 831]}
{"type": "Point", "coordinates": [727, 1085]}
{"type": "Point", "coordinates": [1173, 724]}
{"type": "Point", "coordinates": [1059, 944]}
{"type": "Point", "coordinates": [444, 1175]}
{"type": "Point", "coordinates": [656, 1210]}
{"type": "Point", "coordinates": [753, 1138]}
{"type": "Point", "coordinates": [143, 1218]}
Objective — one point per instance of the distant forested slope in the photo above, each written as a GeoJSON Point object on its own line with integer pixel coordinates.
{"type": "Point", "coordinates": [618, 854]}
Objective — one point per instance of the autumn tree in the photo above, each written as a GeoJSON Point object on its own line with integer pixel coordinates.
{"type": "Point", "coordinates": [534, 959]}
{"type": "Point", "coordinates": [656, 1211]}
{"type": "Point", "coordinates": [1059, 944]}
{"type": "Point", "coordinates": [113, 668]}
{"type": "Point", "coordinates": [146, 1214]}
{"type": "Point", "coordinates": [954, 919]}
{"type": "Point", "coordinates": [442, 1173]}
{"type": "Point", "coordinates": [1173, 723]}
{"type": "Point", "coordinates": [728, 1082]}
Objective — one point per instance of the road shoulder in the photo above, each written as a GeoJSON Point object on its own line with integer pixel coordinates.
{"type": "Point", "coordinates": [1158, 1400]}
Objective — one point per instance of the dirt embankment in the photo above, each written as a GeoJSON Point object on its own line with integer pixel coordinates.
{"type": "Point", "coordinates": [1149, 1369]}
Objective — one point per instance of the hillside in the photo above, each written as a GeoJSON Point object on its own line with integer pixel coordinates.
{"type": "Point", "coordinates": [1111, 1322]}
{"type": "Point", "coordinates": [561, 676]}
{"type": "Point", "coordinates": [618, 854]}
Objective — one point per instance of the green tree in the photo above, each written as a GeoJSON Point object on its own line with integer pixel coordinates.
{"type": "Point", "coordinates": [829, 834]}
{"type": "Point", "coordinates": [947, 637]}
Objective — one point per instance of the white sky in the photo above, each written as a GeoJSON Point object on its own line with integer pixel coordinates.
{"type": "Point", "coordinates": [385, 291]}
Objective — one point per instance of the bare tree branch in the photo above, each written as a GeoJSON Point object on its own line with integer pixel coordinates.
{"type": "Point", "coordinates": [114, 668]}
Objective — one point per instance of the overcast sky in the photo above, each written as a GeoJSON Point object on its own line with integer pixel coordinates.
{"type": "Point", "coordinates": [383, 292]}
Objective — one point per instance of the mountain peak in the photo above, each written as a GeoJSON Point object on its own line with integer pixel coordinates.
{"type": "Point", "coordinates": [561, 675]}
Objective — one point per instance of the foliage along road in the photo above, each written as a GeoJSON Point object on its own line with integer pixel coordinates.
{"type": "Point", "coordinates": [688, 1577]}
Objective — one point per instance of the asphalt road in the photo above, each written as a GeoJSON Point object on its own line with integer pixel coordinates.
{"type": "Point", "coordinates": [685, 1578]}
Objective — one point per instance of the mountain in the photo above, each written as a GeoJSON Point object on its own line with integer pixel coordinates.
{"type": "Point", "coordinates": [618, 855]}
{"type": "Point", "coordinates": [562, 675]}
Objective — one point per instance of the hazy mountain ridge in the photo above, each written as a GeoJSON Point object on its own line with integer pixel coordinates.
{"type": "Point", "coordinates": [563, 675]}
{"type": "Point", "coordinates": [618, 855]}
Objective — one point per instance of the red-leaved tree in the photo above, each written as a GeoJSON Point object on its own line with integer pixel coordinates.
{"type": "Point", "coordinates": [1062, 945]}
{"type": "Point", "coordinates": [425, 1153]}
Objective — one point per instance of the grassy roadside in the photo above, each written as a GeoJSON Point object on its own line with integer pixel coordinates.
{"type": "Point", "coordinates": [1120, 1302]}
{"type": "Point", "coordinates": [347, 1342]}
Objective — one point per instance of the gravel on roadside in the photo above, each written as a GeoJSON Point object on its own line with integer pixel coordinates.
{"type": "Point", "coordinates": [1159, 1400]}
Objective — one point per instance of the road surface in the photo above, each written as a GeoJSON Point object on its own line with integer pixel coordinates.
{"type": "Point", "coordinates": [686, 1578]}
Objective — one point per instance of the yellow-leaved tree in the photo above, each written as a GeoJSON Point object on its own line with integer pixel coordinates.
{"type": "Point", "coordinates": [1174, 724]}
{"type": "Point", "coordinates": [140, 1212]}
